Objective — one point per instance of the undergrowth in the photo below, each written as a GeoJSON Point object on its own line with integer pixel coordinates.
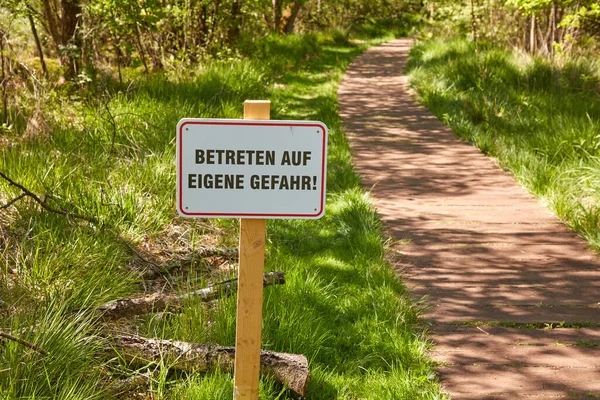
{"type": "Point", "coordinates": [541, 119]}
{"type": "Point", "coordinates": [111, 156]}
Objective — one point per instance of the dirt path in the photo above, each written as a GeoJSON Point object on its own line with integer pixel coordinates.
{"type": "Point", "coordinates": [496, 265]}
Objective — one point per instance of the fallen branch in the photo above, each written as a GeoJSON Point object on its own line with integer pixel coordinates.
{"type": "Point", "coordinates": [23, 342]}
{"type": "Point", "coordinates": [10, 203]}
{"type": "Point", "coordinates": [158, 270]}
{"type": "Point", "coordinates": [288, 369]}
{"type": "Point", "coordinates": [158, 302]}
{"type": "Point", "coordinates": [229, 287]}
{"type": "Point", "coordinates": [43, 203]}
{"type": "Point", "coordinates": [130, 384]}
{"type": "Point", "coordinates": [216, 252]}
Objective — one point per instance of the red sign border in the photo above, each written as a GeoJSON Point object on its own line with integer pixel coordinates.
{"type": "Point", "coordinates": [251, 123]}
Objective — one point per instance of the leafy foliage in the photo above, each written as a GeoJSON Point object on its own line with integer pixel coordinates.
{"type": "Point", "coordinates": [546, 27]}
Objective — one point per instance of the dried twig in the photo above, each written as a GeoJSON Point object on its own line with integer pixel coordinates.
{"type": "Point", "coordinates": [10, 203]}
{"type": "Point", "coordinates": [158, 302]}
{"type": "Point", "coordinates": [23, 342]}
{"type": "Point", "coordinates": [44, 203]}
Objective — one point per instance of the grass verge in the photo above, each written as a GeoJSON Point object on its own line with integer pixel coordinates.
{"type": "Point", "coordinates": [111, 156]}
{"type": "Point", "coordinates": [540, 119]}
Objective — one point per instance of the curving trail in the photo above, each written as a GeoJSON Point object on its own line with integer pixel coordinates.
{"type": "Point", "coordinates": [495, 264]}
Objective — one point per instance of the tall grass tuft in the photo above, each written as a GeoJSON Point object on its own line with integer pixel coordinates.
{"type": "Point", "coordinates": [69, 370]}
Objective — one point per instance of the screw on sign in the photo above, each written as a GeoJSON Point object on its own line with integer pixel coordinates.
{"type": "Point", "coordinates": [253, 169]}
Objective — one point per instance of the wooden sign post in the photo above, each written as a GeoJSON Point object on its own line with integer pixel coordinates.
{"type": "Point", "coordinates": [250, 289]}
{"type": "Point", "coordinates": [253, 169]}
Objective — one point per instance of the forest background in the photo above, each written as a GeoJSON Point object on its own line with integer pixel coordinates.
{"type": "Point", "coordinates": [91, 92]}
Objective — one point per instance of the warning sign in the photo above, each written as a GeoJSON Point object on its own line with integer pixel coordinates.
{"type": "Point", "coordinates": [251, 169]}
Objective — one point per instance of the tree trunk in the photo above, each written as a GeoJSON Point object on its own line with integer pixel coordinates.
{"type": "Point", "coordinates": [187, 26]}
{"type": "Point", "coordinates": [38, 45]}
{"type": "Point", "coordinates": [431, 11]}
{"type": "Point", "coordinates": [236, 21]}
{"type": "Point", "coordinates": [524, 29]}
{"type": "Point", "coordinates": [532, 41]}
{"type": "Point", "coordinates": [559, 31]}
{"type": "Point", "coordinates": [277, 14]}
{"type": "Point", "coordinates": [474, 25]}
{"type": "Point", "coordinates": [4, 79]}
{"type": "Point", "coordinates": [540, 40]}
{"type": "Point", "coordinates": [491, 22]}
{"type": "Point", "coordinates": [141, 47]}
{"type": "Point", "coordinates": [291, 20]}
{"type": "Point", "coordinates": [70, 11]}
{"type": "Point", "coordinates": [289, 369]}
{"type": "Point", "coordinates": [156, 54]}
{"type": "Point", "coordinates": [62, 25]}
{"type": "Point", "coordinates": [86, 39]}
{"type": "Point", "coordinates": [118, 54]}
{"type": "Point", "coordinates": [202, 33]}
{"type": "Point", "coordinates": [547, 38]}
{"type": "Point", "coordinates": [552, 23]}
{"type": "Point", "coordinates": [213, 26]}
{"type": "Point", "coordinates": [52, 22]}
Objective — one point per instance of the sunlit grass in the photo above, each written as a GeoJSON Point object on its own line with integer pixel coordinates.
{"type": "Point", "coordinates": [541, 120]}
{"type": "Point", "coordinates": [111, 156]}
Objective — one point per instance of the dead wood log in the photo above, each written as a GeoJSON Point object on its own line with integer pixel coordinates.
{"type": "Point", "coordinates": [158, 302]}
{"type": "Point", "coordinates": [133, 382]}
{"type": "Point", "coordinates": [288, 369]}
{"type": "Point", "coordinates": [156, 270]}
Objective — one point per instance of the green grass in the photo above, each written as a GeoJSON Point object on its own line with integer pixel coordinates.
{"type": "Point", "coordinates": [540, 119]}
{"type": "Point", "coordinates": [111, 156]}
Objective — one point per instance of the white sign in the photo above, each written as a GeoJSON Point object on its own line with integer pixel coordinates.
{"type": "Point", "coordinates": [251, 169]}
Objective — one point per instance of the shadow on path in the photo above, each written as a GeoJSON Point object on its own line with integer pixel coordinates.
{"type": "Point", "coordinates": [493, 264]}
